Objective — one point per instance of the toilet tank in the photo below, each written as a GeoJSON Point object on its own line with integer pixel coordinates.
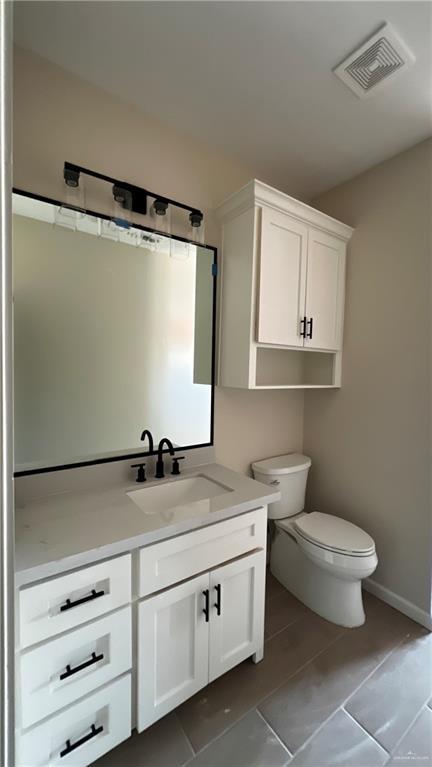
{"type": "Point", "coordinates": [287, 473]}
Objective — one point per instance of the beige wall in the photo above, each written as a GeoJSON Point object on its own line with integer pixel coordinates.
{"type": "Point", "coordinates": [60, 117]}
{"type": "Point", "coordinates": [370, 441]}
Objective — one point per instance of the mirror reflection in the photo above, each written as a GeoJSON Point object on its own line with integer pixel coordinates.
{"type": "Point", "coordinates": [113, 333]}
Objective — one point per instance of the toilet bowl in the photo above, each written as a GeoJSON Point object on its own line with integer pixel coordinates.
{"type": "Point", "coordinates": [320, 558]}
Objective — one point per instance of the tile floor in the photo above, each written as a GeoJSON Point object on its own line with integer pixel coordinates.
{"type": "Point", "coordinates": [322, 697]}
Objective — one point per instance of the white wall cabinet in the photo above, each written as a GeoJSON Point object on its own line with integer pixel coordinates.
{"type": "Point", "coordinates": [282, 294]}
{"type": "Point", "coordinates": [282, 279]}
{"type": "Point", "coordinates": [190, 634]}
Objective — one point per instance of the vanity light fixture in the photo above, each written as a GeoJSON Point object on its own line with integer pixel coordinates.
{"type": "Point", "coordinates": [134, 199]}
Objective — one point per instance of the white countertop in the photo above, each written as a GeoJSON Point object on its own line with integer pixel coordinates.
{"type": "Point", "coordinates": [66, 530]}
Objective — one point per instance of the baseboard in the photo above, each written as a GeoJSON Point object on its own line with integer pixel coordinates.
{"type": "Point", "coordinates": [399, 603]}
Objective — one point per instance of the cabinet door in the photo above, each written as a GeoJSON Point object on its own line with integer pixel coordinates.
{"type": "Point", "coordinates": [173, 637]}
{"type": "Point", "coordinates": [237, 612]}
{"type": "Point", "coordinates": [325, 287]}
{"type": "Point", "coordinates": [282, 279]}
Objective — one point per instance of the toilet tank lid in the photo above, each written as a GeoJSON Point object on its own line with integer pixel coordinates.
{"type": "Point", "coordinates": [283, 464]}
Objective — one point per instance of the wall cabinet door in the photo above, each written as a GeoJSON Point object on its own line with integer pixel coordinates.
{"type": "Point", "coordinates": [324, 291]}
{"type": "Point", "coordinates": [282, 279]}
{"type": "Point", "coordinates": [173, 637]}
{"type": "Point", "coordinates": [237, 616]}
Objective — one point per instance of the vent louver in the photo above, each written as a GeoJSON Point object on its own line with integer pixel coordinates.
{"type": "Point", "coordinates": [381, 58]}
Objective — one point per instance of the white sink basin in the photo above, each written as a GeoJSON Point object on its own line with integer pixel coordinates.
{"type": "Point", "coordinates": [180, 492]}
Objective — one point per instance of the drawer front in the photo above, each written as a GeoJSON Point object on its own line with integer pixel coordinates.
{"type": "Point", "coordinates": [62, 670]}
{"type": "Point", "coordinates": [179, 558]}
{"type": "Point", "coordinates": [82, 733]}
{"type": "Point", "coordinates": [53, 606]}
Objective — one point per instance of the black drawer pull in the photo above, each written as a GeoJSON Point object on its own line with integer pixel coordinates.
{"type": "Point", "coordinates": [94, 595]}
{"type": "Point", "coordinates": [218, 603]}
{"type": "Point", "coordinates": [206, 609]}
{"type": "Point", "coordinates": [310, 323]}
{"type": "Point", "coordinates": [303, 327]}
{"type": "Point", "coordinates": [71, 671]}
{"type": "Point", "coordinates": [72, 746]}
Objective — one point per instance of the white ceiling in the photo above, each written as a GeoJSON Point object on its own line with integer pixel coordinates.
{"type": "Point", "coordinates": [253, 79]}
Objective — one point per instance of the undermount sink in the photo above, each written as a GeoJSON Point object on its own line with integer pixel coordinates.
{"type": "Point", "coordinates": [180, 492]}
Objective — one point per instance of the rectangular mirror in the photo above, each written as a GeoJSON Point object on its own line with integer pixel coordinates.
{"type": "Point", "coordinates": [113, 333]}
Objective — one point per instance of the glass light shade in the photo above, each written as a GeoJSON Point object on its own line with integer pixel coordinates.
{"type": "Point", "coordinates": [196, 229]}
{"type": "Point", "coordinates": [160, 214]}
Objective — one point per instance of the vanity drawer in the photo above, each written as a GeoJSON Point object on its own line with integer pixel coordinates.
{"type": "Point", "coordinates": [62, 670]}
{"type": "Point", "coordinates": [168, 562]}
{"type": "Point", "coordinates": [82, 733]}
{"type": "Point", "coordinates": [62, 603]}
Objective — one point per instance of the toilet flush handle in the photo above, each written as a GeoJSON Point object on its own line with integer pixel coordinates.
{"type": "Point", "coordinates": [275, 482]}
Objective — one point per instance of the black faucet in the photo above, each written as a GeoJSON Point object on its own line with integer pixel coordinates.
{"type": "Point", "coordinates": [140, 466]}
{"type": "Point", "coordinates": [147, 433]}
{"type": "Point", "coordinates": [160, 464]}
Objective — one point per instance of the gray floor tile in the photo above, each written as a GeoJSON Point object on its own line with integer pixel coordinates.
{"type": "Point", "coordinates": [340, 743]}
{"type": "Point", "coordinates": [207, 714]}
{"type": "Point", "coordinates": [308, 698]}
{"type": "Point", "coordinates": [162, 745]}
{"type": "Point", "coordinates": [390, 699]}
{"type": "Point", "coordinates": [250, 743]}
{"type": "Point", "coordinates": [282, 610]}
{"type": "Point", "coordinates": [416, 746]}
{"type": "Point", "coordinates": [273, 586]}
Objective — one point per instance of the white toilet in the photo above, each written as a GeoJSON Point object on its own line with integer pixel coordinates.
{"type": "Point", "coordinates": [319, 558]}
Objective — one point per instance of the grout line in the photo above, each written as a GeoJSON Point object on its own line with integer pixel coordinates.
{"type": "Point", "coordinates": [285, 747]}
{"type": "Point", "coordinates": [186, 736]}
{"type": "Point", "coordinates": [279, 631]}
{"type": "Point", "coordinates": [256, 704]}
{"type": "Point", "coordinates": [342, 634]}
{"type": "Point", "coordinates": [423, 708]}
{"type": "Point", "coordinates": [341, 705]}
{"type": "Point", "coordinates": [369, 734]}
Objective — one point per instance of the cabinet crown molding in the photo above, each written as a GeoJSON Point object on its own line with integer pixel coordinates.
{"type": "Point", "coordinates": [256, 193]}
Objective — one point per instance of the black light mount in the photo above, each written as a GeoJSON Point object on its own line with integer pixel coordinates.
{"type": "Point", "coordinates": [160, 207]}
{"type": "Point", "coordinates": [195, 218]}
{"type": "Point", "coordinates": [129, 196]}
{"type": "Point", "coordinates": [71, 177]}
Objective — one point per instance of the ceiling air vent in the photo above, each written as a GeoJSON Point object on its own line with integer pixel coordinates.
{"type": "Point", "coordinates": [381, 58]}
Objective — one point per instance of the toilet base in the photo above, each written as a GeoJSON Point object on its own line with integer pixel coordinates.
{"type": "Point", "coordinates": [335, 599]}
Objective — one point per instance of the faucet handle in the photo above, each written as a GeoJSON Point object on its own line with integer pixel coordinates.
{"type": "Point", "coordinates": [141, 477]}
{"type": "Point", "coordinates": [175, 465]}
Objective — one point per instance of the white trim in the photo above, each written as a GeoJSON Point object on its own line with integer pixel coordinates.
{"type": "Point", "coordinates": [7, 532]}
{"type": "Point", "coordinates": [399, 603]}
{"type": "Point", "coordinates": [258, 193]}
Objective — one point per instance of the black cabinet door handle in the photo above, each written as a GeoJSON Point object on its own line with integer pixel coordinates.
{"type": "Point", "coordinates": [303, 327]}
{"type": "Point", "coordinates": [310, 323]}
{"type": "Point", "coordinates": [94, 595]}
{"type": "Point", "coordinates": [71, 671]}
{"type": "Point", "coordinates": [206, 609]}
{"type": "Point", "coordinates": [218, 603]}
{"type": "Point", "coordinates": [72, 746]}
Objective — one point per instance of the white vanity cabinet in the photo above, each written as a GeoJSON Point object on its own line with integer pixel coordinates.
{"type": "Point", "coordinates": [190, 633]}
{"type": "Point", "coordinates": [283, 285]}
{"type": "Point", "coordinates": [119, 643]}
{"type": "Point", "coordinates": [73, 668]}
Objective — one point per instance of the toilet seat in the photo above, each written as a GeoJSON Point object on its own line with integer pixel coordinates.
{"type": "Point", "coordinates": [331, 534]}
